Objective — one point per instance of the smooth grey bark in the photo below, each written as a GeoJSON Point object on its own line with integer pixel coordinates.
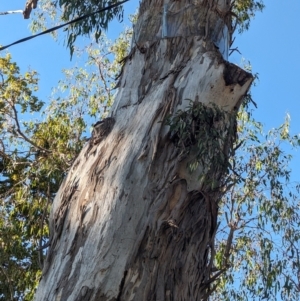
{"type": "Point", "coordinates": [130, 222]}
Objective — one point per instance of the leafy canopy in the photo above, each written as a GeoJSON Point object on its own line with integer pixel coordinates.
{"type": "Point", "coordinates": [258, 236]}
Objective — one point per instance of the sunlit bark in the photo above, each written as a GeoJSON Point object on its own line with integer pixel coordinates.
{"type": "Point", "coordinates": [130, 222]}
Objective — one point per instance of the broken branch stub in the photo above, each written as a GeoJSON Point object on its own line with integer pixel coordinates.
{"type": "Point", "coordinates": [29, 6]}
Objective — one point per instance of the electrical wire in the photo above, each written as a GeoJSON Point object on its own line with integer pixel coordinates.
{"type": "Point", "coordinates": [63, 25]}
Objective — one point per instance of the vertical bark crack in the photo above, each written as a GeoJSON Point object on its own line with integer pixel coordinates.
{"type": "Point", "coordinates": [121, 286]}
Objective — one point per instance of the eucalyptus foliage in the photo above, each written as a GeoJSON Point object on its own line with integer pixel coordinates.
{"type": "Point", "coordinates": [258, 236]}
{"type": "Point", "coordinates": [52, 12]}
{"type": "Point", "coordinates": [202, 130]}
{"type": "Point", "coordinates": [245, 11]}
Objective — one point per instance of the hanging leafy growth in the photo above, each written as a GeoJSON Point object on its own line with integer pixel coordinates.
{"type": "Point", "coordinates": [65, 10]}
{"type": "Point", "coordinates": [245, 10]}
{"type": "Point", "coordinates": [202, 131]}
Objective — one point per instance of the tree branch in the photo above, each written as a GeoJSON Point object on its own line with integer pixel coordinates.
{"type": "Point", "coordinates": [30, 4]}
{"type": "Point", "coordinates": [22, 135]}
{"type": "Point", "coordinates": [9, 282]}
{"type": "Point", "coordinates": [11, 12]}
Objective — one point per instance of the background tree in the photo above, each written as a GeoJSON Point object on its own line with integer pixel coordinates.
{"type": "Point", "coordinates": [258, 238]}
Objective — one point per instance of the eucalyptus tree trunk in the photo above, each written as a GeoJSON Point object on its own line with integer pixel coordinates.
{"type": "Point", "coordinates": [131, 221]}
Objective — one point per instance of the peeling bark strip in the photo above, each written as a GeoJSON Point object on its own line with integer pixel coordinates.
{"type": "Point", "coordinates": [139, 226]}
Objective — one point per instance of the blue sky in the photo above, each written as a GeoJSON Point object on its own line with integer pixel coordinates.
{"type": "Point", "coordinates": [272, 45]}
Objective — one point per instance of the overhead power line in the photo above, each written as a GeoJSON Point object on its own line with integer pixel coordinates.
{"type": "Point", "coordinates": [63, 25]}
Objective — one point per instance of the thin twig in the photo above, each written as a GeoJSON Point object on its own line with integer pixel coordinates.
{"type": "Point", "coordinates": [22, 135]}
{"type": "Point", "coordinates": [103, 80]}
{"type": "Point", "coordinates": [233, 50]}
{"type": "Point", "coordinates": [9, 283]}
{"type": "Point", "coordinates": [41, 246]}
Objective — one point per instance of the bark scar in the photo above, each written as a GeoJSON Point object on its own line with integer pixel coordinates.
{"type": "Point", "coordinates": [101, 131]}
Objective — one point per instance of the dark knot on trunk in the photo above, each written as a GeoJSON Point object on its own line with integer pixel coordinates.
{"type": "Point", "coordinates": [102, 129]}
